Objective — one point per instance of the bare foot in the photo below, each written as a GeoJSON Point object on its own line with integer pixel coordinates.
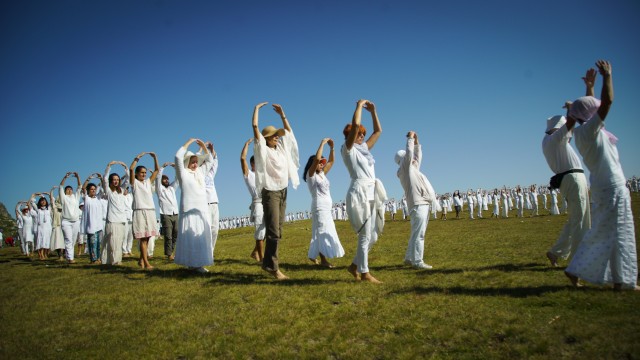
{"type": "Point", "coordinates": [353, 270]}
{"type": "Point", "coordinates": [315, 261]}
{"type": "Point", "coordinates": [553, 259]}
{"type": "Point", "coordinates": [327, 264]}
{"type": "Point", "coordinates": [141, 263]}
{"type": "Point", "coordinates": [368, 277]}
{"type": "Point", "coordinates": [255, 255]}
{"type": "Point", "coordinates": [149, 267]}
{"type": "Point", "coordinates": [172, 257]}
{"type": "Point", "coordinates": [575, 281]}
{"type": "Point", "coordinates": [277, 274]}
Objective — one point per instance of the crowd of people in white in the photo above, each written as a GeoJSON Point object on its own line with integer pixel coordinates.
{"type": "Point", "coordinates": [110, 214]}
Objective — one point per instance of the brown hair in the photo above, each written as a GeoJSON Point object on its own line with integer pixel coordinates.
{"type": "Point", "coordinates": [347, 130]}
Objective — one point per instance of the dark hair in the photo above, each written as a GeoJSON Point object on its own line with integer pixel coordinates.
{"type": "Point", "coordinates": [45, 200]}
{"type": "Point", "coordinates": [165, 177]}
{"type": "Point", "coordinates": [90, 185]}
{"type": "Point", "coordinates": [306, 167]}
{"type": "Point", "coordinates": [68, 187]}
{"type": "Point", "coordinates": [252, 160]}
{"type": "Point", "coordinates": [139, 167]}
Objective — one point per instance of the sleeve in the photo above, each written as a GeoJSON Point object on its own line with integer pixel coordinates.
{"type": "Point", "coordinates": [180, 163]}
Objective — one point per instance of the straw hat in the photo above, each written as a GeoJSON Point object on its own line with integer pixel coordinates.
{"type": "Point", "coordinates": [271, 130]}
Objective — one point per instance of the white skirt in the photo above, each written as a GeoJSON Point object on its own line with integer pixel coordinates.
{"type": "Point", "coordinates": [324, 237]}
{"type": "Point", "coordinates": [607, 253]}
{"type": "Point", "coordinates": [194, 246]}
{"type": "Point", "coordinates": [57, 239]}
{"type": "Point", "coordinates": [43, 236]}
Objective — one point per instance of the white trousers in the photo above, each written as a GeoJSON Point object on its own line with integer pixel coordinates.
{"type": "Point", "coordinates": [419, 222]}
{"type": "Point", "coordinates": [470, 210]}
{"type": "Point", "coordinates": [574, 188]}
{"type": "Point", "coordinates": [127, 244]}
{"type": "Point", "coordinates": [215, 226]}
{"type": "Point", "coordinates": [367, 236]}
{"type": "Point", "coordinates": [70, 230]}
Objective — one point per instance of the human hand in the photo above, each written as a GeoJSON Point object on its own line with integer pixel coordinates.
{"type": "Point", "coordinates": [604, 67]}
{"type": "Point", "coordinates": [278, 109]}
{"type": "Point", "coordinates": [330, 142]}
{"type": "Point", "coordinates": [369, 106]}
{"type": "Point", "coordinates": [261, 104]}
{"type": "Point", "coordinates": [590, 78]}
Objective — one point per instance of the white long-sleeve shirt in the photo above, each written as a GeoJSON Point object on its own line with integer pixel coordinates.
{"type": "Point", "coordinates": [167, 199]}
{"type": "Point", "coordinates": [417, 188]}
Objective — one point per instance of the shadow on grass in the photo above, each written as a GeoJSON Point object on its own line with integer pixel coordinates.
{"type": "Point", "coordinates": [515, 292]}
{"type": "Point", "coordinates": [533, 267]}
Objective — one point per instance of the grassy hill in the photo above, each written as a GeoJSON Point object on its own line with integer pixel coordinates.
{"type": "Point", "coordinates": [491, 294]}
{"type": "Point", "coordinates": [7, 222]}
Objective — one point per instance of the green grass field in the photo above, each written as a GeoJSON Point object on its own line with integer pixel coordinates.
{"type": "Point", "coordinates": [491, 294]}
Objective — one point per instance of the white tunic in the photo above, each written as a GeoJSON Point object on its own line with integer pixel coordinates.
{"type": "Point", "coordinates": [194, 247]}
{"type": "Point", "coordinates": [324, 237]}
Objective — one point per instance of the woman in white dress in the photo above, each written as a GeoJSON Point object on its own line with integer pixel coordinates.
{"type": "Point", "coordinates": [116, 229]}
{"type": "Point", "coordinates": [57, 238]}
{"type": "Point", "coordinates": [496, 203]}
{"type": "Point", "coordinates": [324, 237]}
{"type": "Point", "coordinates": [194, 247]}
{"type": "Point", "coordinates": [366, 194]}
{"type": "Point", "coordinates": [42, 224]}
{"type": "Point", "coordinates": [144, 209]}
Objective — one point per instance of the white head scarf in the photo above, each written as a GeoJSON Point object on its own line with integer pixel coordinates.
{"type": "Point", "coordinates": [584, 109]}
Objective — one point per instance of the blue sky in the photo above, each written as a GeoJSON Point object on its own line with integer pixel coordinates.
{"type": "Point", "coordinates": [86, 82]}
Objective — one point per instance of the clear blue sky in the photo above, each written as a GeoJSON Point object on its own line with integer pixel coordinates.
{"type": "Point", "coordinates": [86, 82]}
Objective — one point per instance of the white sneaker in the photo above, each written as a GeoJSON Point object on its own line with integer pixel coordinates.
{"type": "Point", "coordinates": [422, 266]}
{"type": "Point", "coordinates": [202, 270]}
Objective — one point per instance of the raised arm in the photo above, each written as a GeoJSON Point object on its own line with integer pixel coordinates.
{"type": "Point", "coordinates": [132, 168]}
{"type": "Point", "coordinates": [355, 124]}
{"type": "Point", "coordinates": [243, 157]}
{"type": "Point", "coordinates": [377, 129]}
{"type": "Point", "coordinates": [329, 164]}
{"type": "Point", "coordinates": [86, 182]}
{"type": "Point", "coordinates": [590, 81]}
{"type": "Point", "coordinates": [285, 123]}
{"type": "Point", "coordinates": [606, 97]}
{"type": "Point", "coordinates": [156, 167]}
{"type": "Point", "coordinates": [254, 121]}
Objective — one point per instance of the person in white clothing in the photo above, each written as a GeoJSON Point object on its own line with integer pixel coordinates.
{"type": "Point", "coordinates": [277, 162]}
{"type": "Point", "coordinates": [212, 197]}
{"type": "Point", "coordinates": [194, 248]}
{"type": "Point", "coordinates": [366, 195]}
{"type": "Point", "coordinates": [57, 238]}
{"type": "Point", "coordinates": [27, 227]}
{"type": "Point", "coordinates": [127, 244]}
{"type": "Point", "coordinates": [41, 214]}
{"type": "Point", "coordinates": [70, 201]}
{"type": "Point", "coordinates": [93, 225]}
{"type": "Point", "coordinates": [257, 213]}
{"type": "Point", "coordinates": [115, 229]}
{"type": "Point", "coordinates": [168, 203]}
{"type": "Point", "coordinates": [144, 209]}
{"type": "Point", "coordinates": [324, 237]}
{"type": "Point", "coordinates": [569, 178]}
{"type": "Point", "coordinates": [419, 194]}
{"type": "Point", "coordinates": [607, 253]}
{"type": "Point", "coordinates": [470, 202]}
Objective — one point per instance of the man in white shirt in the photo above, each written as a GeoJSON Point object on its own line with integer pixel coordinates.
{"type": "Point", "coordinates": [564, 162]}
{"type": "Point", "coordinates": [420, 195]}
{"type": "Point", "coordinates": [168, 202]}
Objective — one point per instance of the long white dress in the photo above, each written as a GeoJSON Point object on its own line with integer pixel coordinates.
{"type": "Point", "coordinates": [57, 238]}
{"type": "Point", "coordinates": [194, 247]}
{"type": "Point", "coordinates": [42, 228]}
{"type": "Point", "coordinates": [324, 237]}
